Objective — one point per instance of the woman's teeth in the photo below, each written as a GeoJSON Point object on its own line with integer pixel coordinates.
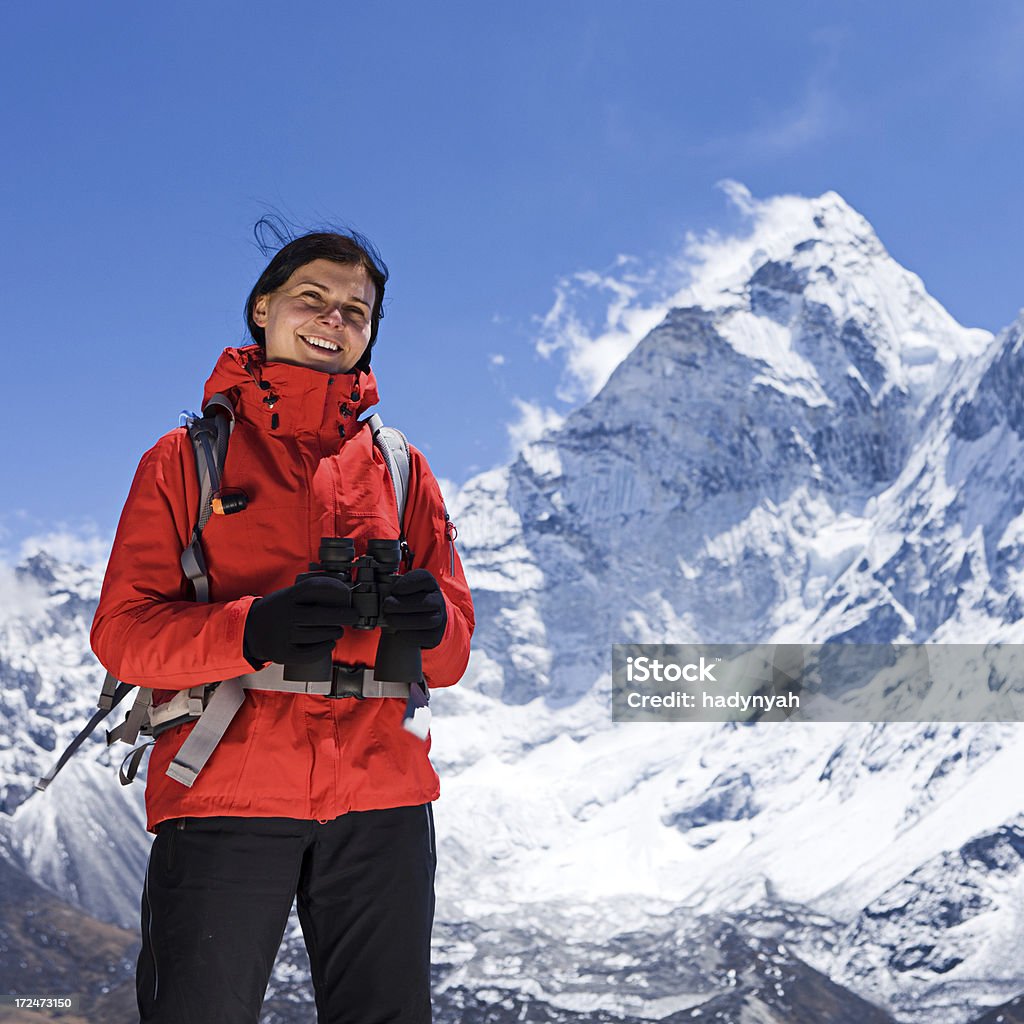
{"type": "Point", "coordinates": [320, 343]}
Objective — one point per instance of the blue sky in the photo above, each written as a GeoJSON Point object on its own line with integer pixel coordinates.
{"type": "Point", "coordinates": [490, 152]}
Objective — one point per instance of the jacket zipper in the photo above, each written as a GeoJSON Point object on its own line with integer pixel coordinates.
{"type": "Point", "coordinates": [451, 532]}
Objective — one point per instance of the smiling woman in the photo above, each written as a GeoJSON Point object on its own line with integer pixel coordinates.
{"type": "Point", "coordinates": [323, 801]}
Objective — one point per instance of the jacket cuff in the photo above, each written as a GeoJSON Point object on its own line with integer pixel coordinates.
{"type": "Point", "coordinates": [438, 658]}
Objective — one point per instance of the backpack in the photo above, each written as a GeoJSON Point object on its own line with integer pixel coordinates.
{"type": "Point", "coordinates": [214, 704]}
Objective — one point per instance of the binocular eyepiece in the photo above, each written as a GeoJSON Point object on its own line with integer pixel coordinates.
{"type": "Point", "coordinates": [338, 556]}
{"type": "Point", "coordinates": [369, 579]}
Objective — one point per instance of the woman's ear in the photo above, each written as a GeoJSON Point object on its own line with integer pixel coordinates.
{"type": "Point", "coordinates": [259, 311]}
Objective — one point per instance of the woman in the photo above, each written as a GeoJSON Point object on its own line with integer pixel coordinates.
{"type": "Point", "coordinates": [322, 800]}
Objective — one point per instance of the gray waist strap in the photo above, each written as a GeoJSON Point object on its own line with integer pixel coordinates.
{"type": "Point", "coordinates": [227, 699]}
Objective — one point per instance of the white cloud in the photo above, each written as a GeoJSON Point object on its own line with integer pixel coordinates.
{"type": "Point", "coordinates": [449, 491]}
{"type": "Point", "coordinates": [20, 598]}
{"type": "Point", "coordinates": [534, 420]}
{"type": "Point", "coordinates": [808, 121]}
{"type": "Point", "coordinates": [596, 320]}
{"type": "Point", "coordinates": [81, 547]}
{"type": "Point", "coordinates": [496, 359]}
{"type": "Point", "coordinates": [997, 52]}
{"type": "Point", "coordinates": [815, 114]}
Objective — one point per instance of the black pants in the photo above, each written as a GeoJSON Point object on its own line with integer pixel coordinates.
{"type": "Point", "coordinates": [216, 902]}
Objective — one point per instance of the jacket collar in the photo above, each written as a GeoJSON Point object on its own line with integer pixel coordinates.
{"type": "Point", "coordinates": [285, 399]}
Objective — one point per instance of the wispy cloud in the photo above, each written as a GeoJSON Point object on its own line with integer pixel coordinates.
{"type": "Point", "coordinates": [534, 421]}
{"type": "Point", "coordinates": [20, 598]}
{"type": "Point", "coordinates": [995, 55]}
{"type": "Point", "coordinates": [449, 491]}
{"type": "Point", "coordinates": [805, 123]}
{"type": "Point", "coordinates": [23, 534]}
{"type": "Point", "coordinates": [812, 117]}
{"type": "Point", "coordinates": [24, 598]}
{"type": "Point", "coordinates": [85, 546]}
{"type": "Point", "coordinates": [596, 320]}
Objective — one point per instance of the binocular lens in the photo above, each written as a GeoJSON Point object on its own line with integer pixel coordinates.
{"type": "Point", "coordinates": [337, 554]}
{"type": "Point", "coordinates": [387, 552]}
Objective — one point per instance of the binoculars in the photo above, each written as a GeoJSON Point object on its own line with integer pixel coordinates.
{"type": "Point", "coordinates": [369, 579]}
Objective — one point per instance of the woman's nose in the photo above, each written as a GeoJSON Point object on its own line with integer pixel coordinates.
{"type": "Point", "coordinates": [333, 316]}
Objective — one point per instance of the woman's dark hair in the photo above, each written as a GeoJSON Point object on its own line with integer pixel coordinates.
{"type": "Point", "coordinates": [291, 253]}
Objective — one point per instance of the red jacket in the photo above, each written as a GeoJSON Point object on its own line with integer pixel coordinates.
{"type": "Point", "coordinates": [310, 471]}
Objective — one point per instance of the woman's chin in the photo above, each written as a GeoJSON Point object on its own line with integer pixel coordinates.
{"type": "Point", "coordinates": [325, 364]}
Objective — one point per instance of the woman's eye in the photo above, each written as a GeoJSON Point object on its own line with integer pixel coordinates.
{"type": "Point", "coordinates": [312, 295]}
{"type": "Point", "coordinates": [356, 313]}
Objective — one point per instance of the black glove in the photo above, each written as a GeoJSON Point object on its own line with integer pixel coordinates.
{"type": "Point", "coordinates": [298, 624]}
{"type": "Point", "coordinates": [416, 608]}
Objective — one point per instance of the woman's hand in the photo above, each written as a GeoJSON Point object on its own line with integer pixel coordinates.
{"type": "Point", "coordinates": [298, 624]}
{"type": "Point", "coordinates": [416, 608]}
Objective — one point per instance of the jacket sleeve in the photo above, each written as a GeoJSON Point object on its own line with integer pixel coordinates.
{"type": "Point", "coordinates": [433, 548]}
{"type": "Point", "coordinates": [147, 631]}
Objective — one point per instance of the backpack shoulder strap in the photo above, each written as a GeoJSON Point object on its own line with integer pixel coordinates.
{"type": "Point", "coordinates": [392, 444]}
{"type": "Point", "coordinates": [209, 434]}
{"type": "Point", "coordinates": [394, 447]}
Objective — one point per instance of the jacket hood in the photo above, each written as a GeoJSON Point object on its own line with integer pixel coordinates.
{"type": "Point", "coordinates": [291, 399]}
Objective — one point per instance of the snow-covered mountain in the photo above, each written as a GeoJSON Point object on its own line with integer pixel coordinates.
{"type": "Point", "coordinates": [807, 448]}
{"type": "Point", "coordinates": [85, 839]}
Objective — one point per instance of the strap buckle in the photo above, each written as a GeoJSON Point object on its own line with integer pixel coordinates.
{"type": "Point", "coordinates": [347, 681]}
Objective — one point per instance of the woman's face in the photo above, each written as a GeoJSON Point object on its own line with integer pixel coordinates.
{"type": "Point", "coordinates": [320, 316]}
